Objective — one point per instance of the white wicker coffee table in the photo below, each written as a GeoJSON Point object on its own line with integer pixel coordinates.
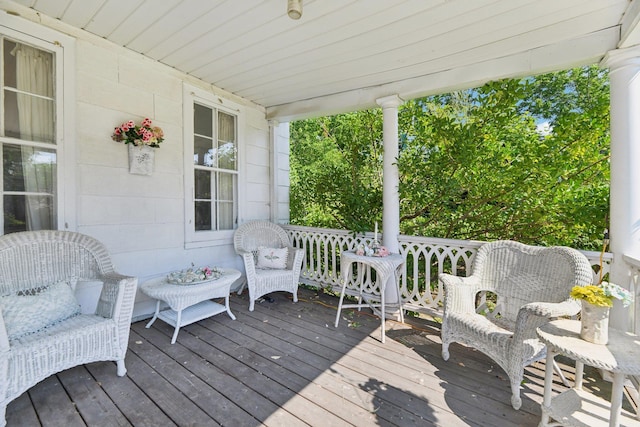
{"type": "Point", "coordinates": [189, 303]}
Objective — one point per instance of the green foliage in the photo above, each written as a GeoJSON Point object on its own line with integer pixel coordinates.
{"type": "Point", "coordinates": [473, 164]}
{"type": "Point", "coordinates": [336, 171]}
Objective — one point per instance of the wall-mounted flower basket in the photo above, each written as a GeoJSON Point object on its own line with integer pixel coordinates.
{"type": "Point", "coordinates": [141, 158]}
{"type": "Point", "coordinates": [142, 141]}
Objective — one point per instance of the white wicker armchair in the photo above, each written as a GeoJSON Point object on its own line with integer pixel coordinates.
{"type": "Point", "coordinates": [31, 260]}
{"type": "Point", "coordinates": [248, 239]}
{"type": "Point", "coordinates": [532, 286]}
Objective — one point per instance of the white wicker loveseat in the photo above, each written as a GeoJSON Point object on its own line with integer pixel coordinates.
{"type": "Point", "coordinates": [40, 269]}
{"type": "Point", "coordinates": [249, 240]}
{"type": "Point", "coordinates": [532, 286]}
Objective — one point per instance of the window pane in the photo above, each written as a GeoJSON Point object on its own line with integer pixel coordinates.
{"type": "Point", "coordinates": [225, 212]}
{"type": "Point", "coordinates": [28, 69]}
{"type": "Point", "coordinates": [227, 156]}
{"type": "Point", "coordinates": [202, 184]}
{"type": "Point", "coordinates": [203, 216]}
{"type": "Point", "coordinates": [203, 120]}
{"type": "Point", "coordinates": [202, 151]}
{"type": "Point", "coordinates": [29, 107]}
{"type": "Point", "coordinates": [28, 169]}
{"type": "Point", "coordinates": [11, 125]}
{"type": "Point", "coordinates": [26, 213]}
{"type": "Point", "coordinates": [226, 127]}
{"type": "Point", "coordinates": [227, 186]}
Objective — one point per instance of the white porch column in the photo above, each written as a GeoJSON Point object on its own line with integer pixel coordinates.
{"type": "Point", "coordinates": [390, 182]}
{"type": "Point", "coordinates": [390, 176]}
{"type": "Point", "coordinates": [624, 66]}
{"type": "Point", "coordinates": [273, 171]}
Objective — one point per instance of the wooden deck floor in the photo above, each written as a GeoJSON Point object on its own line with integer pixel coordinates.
{"type": "Point", "coordinates": [286, 365]}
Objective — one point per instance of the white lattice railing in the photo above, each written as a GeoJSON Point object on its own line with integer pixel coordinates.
{"type": "Point", "coordinates": [426, 257]}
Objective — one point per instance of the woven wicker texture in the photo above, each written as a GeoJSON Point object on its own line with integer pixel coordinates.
{"type": "Point", "coordinates": [256, 234]}
{"type": "Point", "coordinates": [532, 286]}
{"type": "Point", "coordinates": [36, 258]}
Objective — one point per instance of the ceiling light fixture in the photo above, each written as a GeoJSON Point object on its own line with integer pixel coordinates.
{"type": "Point", "coordinates": [294, 9]}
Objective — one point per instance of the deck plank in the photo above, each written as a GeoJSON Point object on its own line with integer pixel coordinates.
{"type": "Point", "coordinates": [410, 377]}
{"type": "Point", "coordinates": [93, 404]}
{"type": "Point", "coordinates": [132, 402]}
{"type": "Point", "coordinates": [52, 404]}
{"type": "Point", "coordinates": [285, 364]}
{"type": "Point", "coordinates": [212, 371]}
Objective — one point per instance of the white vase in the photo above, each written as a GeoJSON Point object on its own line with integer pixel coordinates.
{"type": "Point", "coordinates": [141, 159]}
{"type": "Point", "coordinates": [594, 323]}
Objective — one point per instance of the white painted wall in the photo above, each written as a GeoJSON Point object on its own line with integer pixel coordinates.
{"type": "Point", "coordinates": [141, 218]}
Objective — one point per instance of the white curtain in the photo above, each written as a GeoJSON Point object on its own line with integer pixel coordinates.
{"type": "Point", "coordinates": [34, 75]}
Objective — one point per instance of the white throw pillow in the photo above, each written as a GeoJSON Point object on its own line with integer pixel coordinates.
{"type": "Point", "coordinates": [273, 258]}
{"type": "Point", "coordinates": [27, 314]}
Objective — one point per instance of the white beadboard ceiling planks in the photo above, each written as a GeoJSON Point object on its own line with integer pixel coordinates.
{"type": "Point", "coordinates": [343, 53]}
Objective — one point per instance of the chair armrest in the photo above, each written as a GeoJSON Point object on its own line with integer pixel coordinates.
{"type": "Point", "coordinates": [294, 261]}
{"type": "Point", "coordinates": [460, 293]}
{"type": "Point", "coordinates": [535, 314]}
{"type": "Point", "coordinates": [249, 262]}
{"type": "Point", "coordinates": [117, 296]}
{"type": "Point", "coordinates": [549, 310]}
{"type": "Point", "coordinates": [4, 337]}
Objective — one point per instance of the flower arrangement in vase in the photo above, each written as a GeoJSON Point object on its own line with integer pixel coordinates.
{"type": "Point", "coordinates": [596, 301]}
{"type": "Point", "coordinates": [143, 134]}
{"type": "Point", "coordinates": [141, 139]}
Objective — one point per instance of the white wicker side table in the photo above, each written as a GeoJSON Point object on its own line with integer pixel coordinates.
{"type": "Point", "coordinates": [190, 303]}
{"type": "Point", "coordinates": [575, 407]}
{"type": "Point", "coordinates": [388, 271]}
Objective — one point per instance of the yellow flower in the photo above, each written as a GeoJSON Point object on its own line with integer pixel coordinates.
{"type": "Point", "coordinates": [592, 294]}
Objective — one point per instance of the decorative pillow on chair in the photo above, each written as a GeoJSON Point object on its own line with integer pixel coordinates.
{"type": "Point", "coordinates": [25, 314]}
{"type": "Point", "coordinates": [272, 258]}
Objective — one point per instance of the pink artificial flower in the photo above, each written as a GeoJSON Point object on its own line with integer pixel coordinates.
{"type": "Point", "coordinates": [382, 251]}
{"type": "Point", "coordinates": [146, 122]}
{"type": "Point", "coordinates": [157, 132]}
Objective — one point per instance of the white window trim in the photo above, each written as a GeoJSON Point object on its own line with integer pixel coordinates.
{"type": "Point", "coordinates": [191, 94]}
{"type": "Point", "coordinates": [64, 48]}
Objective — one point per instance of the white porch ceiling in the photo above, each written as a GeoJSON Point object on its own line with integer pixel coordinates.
{"type": "Point", "coordinates": [343, 54]}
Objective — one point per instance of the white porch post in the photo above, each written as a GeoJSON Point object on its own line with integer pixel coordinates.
{"type": "Point", "coordinates": [390, 181]}
{"type": "Point", "coordinates": [273, 171]}
{"type": "Point", "coordinates": [624, 66]}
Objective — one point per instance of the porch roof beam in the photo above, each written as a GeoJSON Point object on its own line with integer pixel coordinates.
{"type": "Point", "coordinates": [567, 54]}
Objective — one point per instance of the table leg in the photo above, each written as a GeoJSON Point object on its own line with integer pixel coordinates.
{"type": "Point", "coordinates": [382, 304]}
{"type": "Point", "coordinates": [579, 374]}
{"type": "Point", "coordinates": [178, 323]}
{"type": "Point", "coordinates": [360, 279]}
{"type": "Point", "coordinates": [396, 284]}
{"type": "Point", "coordinates": [616, 399]}
{"type": "Point", "coordinates": [155, 315]}
{"type": "Point", "coordinates": [548, 380]}
{"type": "Point", "coordinates": [226, 303]}
{"type": "Point", "coordinates": [344, 287]}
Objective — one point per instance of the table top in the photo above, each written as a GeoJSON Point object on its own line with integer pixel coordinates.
{"type": "Point", "coordinates": [620, 355]}
{"type": "Point", "coordinates": [385, 266]}
{"type": "Point", "coordinates": [181, 296]}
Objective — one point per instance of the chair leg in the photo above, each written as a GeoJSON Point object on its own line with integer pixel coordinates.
{"type": "Point", "coordinates": [445, 350]}
{"type": "Point", "coordinates": [295, 296]}
{"type": "Point", "coordinates": [122, 370]}
{"type": "Point", "coordinates": [516, 401]}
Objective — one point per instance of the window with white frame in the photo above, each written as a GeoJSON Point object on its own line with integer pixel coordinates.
{"type": "Point", "coordinates": [28, 136]}
{"type": "Point", "coordinates": [213, 130]}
